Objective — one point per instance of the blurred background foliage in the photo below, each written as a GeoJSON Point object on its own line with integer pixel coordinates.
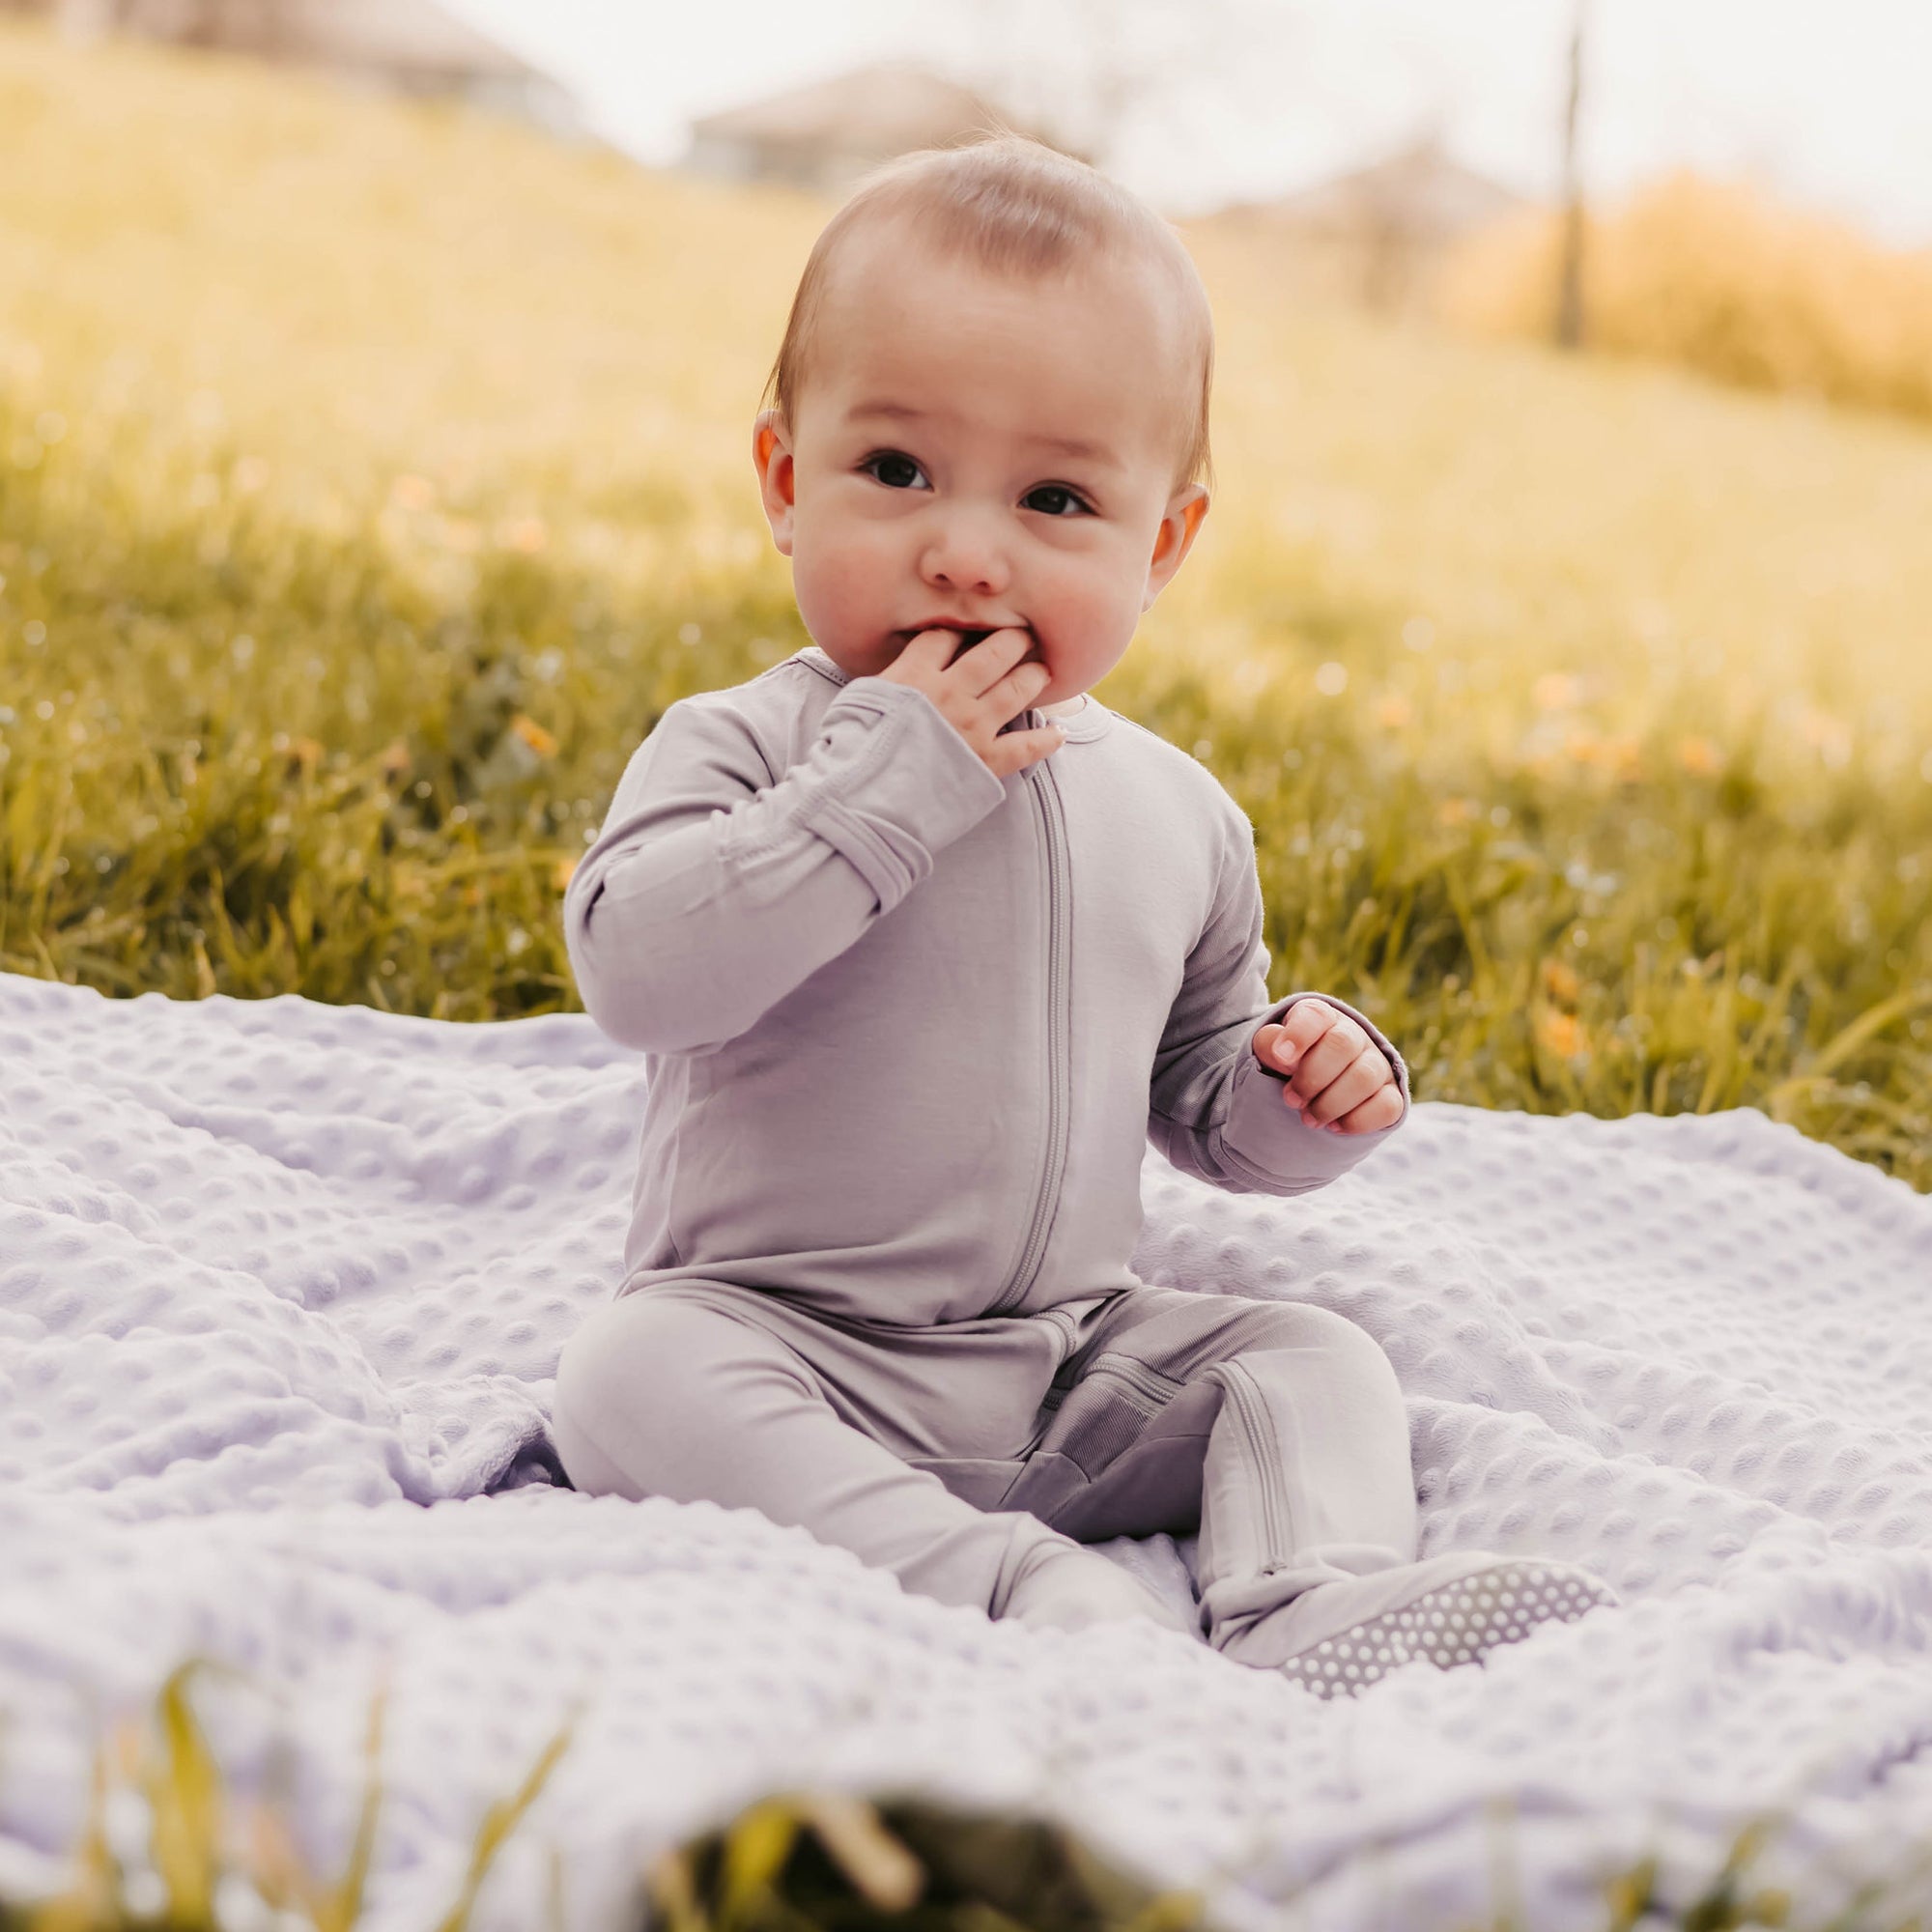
{"type": "Point", "coordinates": [1714, 276]}
{"type": "Point", "coordinates": [373, 475]}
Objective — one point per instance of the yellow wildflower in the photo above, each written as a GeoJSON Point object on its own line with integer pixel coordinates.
{"type": "Point", "coordinates": [534, 735]}
{"type": "Point", "coordinates": [1560, 1032]}
{"type": "Point", "coordinates": [1622, 757]}
{"type": "Point", "coordinates": [1560, 981]}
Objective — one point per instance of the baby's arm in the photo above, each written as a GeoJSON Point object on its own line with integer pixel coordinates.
{"type": "Point", "coordinates": [1214, 1109]}
{"type": "Point", "coordinates": [714, 888]}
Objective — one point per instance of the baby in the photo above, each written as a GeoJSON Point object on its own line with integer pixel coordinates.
{"type": "Point", "coordinates": [922, 945]}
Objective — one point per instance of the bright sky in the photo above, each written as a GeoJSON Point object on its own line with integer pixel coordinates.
{"type": "Point", "coordinates": [1825, 105]}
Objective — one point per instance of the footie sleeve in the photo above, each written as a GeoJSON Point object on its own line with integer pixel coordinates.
{"type": "Point", "coordinates": [717, 885]}
{"type": "Point", "coordinates": [1215, 1110]}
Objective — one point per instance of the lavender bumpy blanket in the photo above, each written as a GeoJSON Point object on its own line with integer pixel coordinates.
{"type": "Point", "coordinates": [282, 1288]}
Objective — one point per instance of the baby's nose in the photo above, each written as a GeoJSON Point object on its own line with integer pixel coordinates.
{"type": "Point", "coordinates": [966, 553]}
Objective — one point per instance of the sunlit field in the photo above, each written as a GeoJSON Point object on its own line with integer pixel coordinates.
{"type": "Point", "coordinates": [372, 477]}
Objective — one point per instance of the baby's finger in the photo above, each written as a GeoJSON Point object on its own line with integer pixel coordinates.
{"type": "Point", "coordinates": [1285, 1048]}
{"type": "Point", "coordinates": [1307, 1022]}
{"type": "Point", "coordinates": [1309, 1074]}
{"type": "Point", "coordinates": [1017, 690]}
{"type": "Point", "coordinates": [986, 662]}
{"type": "Point", "coordinates": [1014, 751]}
{"type": "Point", "coordinates": [1273, 1048]}
{"type": "Point", "coordinates": [935, 648]}
{"type": "Point", "coordinates": [1356, 1083]}
{"type": "Point", "coordinates": [1381, 1109]}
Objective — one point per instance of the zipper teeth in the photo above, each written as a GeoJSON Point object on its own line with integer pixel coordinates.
{"type": "Point", "coordinates": [1274, 1504]}
{"type": "Point", "coordinates": [1016, 1288]}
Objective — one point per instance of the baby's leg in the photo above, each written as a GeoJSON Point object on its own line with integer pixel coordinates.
{"type": "Point", "coordinates": [1307, 1479]}
{"type": "Point", "coordinates": [1285, 1425]}
{"type": "Point", "coordinates": [668, 1394]}
{"type": "Point", "coordinates": [1308, 1538]}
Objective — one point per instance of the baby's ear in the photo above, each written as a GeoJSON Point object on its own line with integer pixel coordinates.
{"type": "Point", "coordinates": [771, 452]}
{"type": "Point", "coordinates": [1179, 525]}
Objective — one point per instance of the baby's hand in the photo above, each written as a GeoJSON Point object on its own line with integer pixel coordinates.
{"type": "Point", "coordinates": [979, 688]}
{"type": "Point", "coordinates": [1339, 1078]}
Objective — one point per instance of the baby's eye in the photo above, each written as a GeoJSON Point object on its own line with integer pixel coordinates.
{"type": "Point", "coordinates": [1053, 499]}
{"type": "Point", "coordinates": [896, 472]}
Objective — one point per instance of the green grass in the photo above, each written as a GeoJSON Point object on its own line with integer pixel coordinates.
{"type": "Point", "coordinates": [370, 482]}
{"type": "Point", "coordinates": [240, 755]}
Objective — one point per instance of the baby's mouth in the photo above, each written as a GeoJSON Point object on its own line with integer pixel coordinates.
{"type": "Point", "coordinates": [968, 638]}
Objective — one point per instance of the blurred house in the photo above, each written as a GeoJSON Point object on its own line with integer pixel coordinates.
{"type": "Point", "coordinates": [409, 47]}
{"type": "Point", "coordinates": [1379, 235]}
{"type": "Point", "coordinates": [823, 137]}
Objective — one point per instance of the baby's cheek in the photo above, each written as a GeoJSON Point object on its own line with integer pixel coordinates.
{"type": "Point", "coordinates": [1095, 621]}
{"type": "Point", "coordinates": [842, 585]}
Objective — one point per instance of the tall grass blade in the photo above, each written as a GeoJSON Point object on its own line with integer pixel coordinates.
{"type": "Point", "coordinates": [184, 1792]}
{"type": "Point", "coordinates": [499, 1821]}
{"type": "Point", "coordinates": [338, 1907]}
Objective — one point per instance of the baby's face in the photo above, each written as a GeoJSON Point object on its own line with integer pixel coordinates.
{"type": "Point", "coordinates": [982, 451]}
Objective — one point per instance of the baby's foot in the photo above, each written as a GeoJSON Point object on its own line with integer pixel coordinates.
{"type": "Point", "coordinates": [1456, 1623]}
{"type": "Point", "coordinates": [1070, 1588]}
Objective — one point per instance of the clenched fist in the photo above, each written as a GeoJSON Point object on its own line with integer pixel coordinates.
{"type": "Point", "coordinates": [1338, 1077]}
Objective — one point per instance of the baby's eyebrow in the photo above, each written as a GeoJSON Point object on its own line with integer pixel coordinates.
{"type": "Point", "coordinates": [1078, 447]}
{"type": "Point", "coordinates": [1074, 447]}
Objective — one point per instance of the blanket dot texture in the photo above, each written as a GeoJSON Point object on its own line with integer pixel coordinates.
{"type": "Point", "coordinates": [282, 1289]}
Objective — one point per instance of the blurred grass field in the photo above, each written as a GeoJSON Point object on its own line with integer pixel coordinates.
{"type": "Point", "coordinates": [372, 476]}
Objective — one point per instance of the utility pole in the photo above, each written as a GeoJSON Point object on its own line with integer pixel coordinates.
{"type": "Point", "coordinates": [1569, 288]}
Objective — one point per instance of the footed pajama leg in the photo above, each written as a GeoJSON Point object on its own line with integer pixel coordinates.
{"type": "Point", "coordinates": [1307, 1560]}
{"type": "Point", "coordinates": [665, 1393]}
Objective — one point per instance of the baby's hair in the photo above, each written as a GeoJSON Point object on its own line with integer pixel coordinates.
{"type": "Point", "coordinates": [1017, 207]}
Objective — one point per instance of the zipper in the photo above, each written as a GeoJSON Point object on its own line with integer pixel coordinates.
{"type": "Point", "coordinates": [1058, 1053]}
{"type": "Point", "coordinates": [1271, 1502]}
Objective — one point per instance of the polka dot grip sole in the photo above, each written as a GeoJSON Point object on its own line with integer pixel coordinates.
{"type": "Point", "coordinates": [1456, 1624]}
